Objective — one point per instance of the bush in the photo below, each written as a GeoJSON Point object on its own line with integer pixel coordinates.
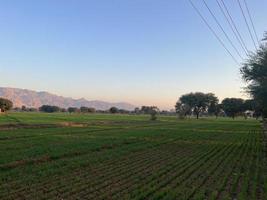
{"type": "Point", "coordinates": [113, 110]}
{"type": "Point", "coordinates": [5, 104]}
{"type": "Point", "coordinates": [49, 109]}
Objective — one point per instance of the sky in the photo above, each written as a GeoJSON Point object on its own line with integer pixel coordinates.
{"type": "Point", "coordinates": [145, 52]}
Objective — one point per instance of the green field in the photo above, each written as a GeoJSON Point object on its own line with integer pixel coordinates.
{"type": "Point", "coordinates": [72, 156]}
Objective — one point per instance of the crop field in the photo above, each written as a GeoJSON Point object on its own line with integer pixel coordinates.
{"type": "Point", "coordinates": [101, 156]}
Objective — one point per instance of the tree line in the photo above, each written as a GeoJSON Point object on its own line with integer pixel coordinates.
{"type": "Point", "coordinates": [197, 104]}
{"type": "Point", "coordinates": [208, 104]}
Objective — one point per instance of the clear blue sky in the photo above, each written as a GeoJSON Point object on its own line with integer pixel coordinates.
{"type": "Point", "coordinates": [140, 51]}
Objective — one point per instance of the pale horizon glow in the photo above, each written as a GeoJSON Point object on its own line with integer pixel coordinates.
{"type": "Point", "coordinates": [144, 52]}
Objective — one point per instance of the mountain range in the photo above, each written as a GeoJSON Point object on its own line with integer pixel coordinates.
{"type": "Point", "coordinates": [30, 98]}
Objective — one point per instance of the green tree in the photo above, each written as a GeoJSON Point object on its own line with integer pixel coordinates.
{"type": "Point", "coordinates": [113, 110]}
{"type": "Point", "coordinates": [182, 109]}
{"type": "Point", "coordinates": [49, 109]}
{"type": "Point", "coordinates": [254, 72]}
{"type": "Point", "coordinates": [148, 109]}
{"type": "Point", "coordinates": [215, 109]}
{"type": "Point", "coordinates": [153, 115]}
{"type": "Point", "coordinates": [255, 106]}
{"type": "Point", "coordinates": [248, 104]}
{"type": "Point", "coordinates": [5, 105]}
{"type": "Point", "coordinates": [198, 102]}
{"type": "Point", "coordinates": [233, 106]}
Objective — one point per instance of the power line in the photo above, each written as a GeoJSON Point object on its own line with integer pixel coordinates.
{"type": "Point", "coordinates": [247, 24]}
{"type": "Point", "coordinates": [233, 23]}
{"type": "Point", "coordinates": [218, 23]}
{"type": "Point", "coordinates": [214, 33]}
{"type": "Point", "coordinates": [251, 21]}
{"type": "Point", "coordinates": [232, 28]}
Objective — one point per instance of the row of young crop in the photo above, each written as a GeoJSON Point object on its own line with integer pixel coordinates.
{"type": "Point", "coordinates": [94, 183]}
{"type": "Point", "coordinates": [234, 161]}
{"type": "Point", "coordinates": [172, 189]}
{"type": "Point", "coordinates": [131, 183]}
{"type": "Point", "coordinates": [119, 175]}
{"type": "Point", "coordinates": [151, 183]}
{"type": "Point", "coordinates": [211, 185]}
{"type": "Point", "coordinates": [31, 189]}
{"type": "Point", "coordinates": [124, 174]}
{"type": "Point", "coordinates": [238, 184]}
{"type": "Point", "coordinates": [181, 185]}
{"type": "Point", "coordinates": [15, 185]}
{"type": "Point", "coordinates": [165, 170]}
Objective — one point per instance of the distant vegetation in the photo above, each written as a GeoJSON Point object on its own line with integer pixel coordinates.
{"type": "Point", "coordinates": [49, 109]}
{"type": "Point", "coordinates": [193, 104]}
{"type": "Point", "coordinates": [5, 105]}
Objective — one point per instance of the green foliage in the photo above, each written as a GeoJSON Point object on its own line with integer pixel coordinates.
{"type": "Point", "coordinates": [153, 114]}
{"type": "Point", "coordinates": [149, 109]}
{"type": "Point", "coordinates": [49, 109]}
{"type": "Point", "coordinates": [113, 110]}
{"type": "Point", "coordinates": [182, 110]}
{"type": "Point", "coordinates": [233, 106]}
{"type": "Point", "coordinates": [5, 104]}
{"type": "Point", "coordinates": [249, 104]}
{"type": "Point", "coordinates": [215, 109]}
{"type": "Point", "coordinates": [198, 102]}
{"type": "Point", "coordinates": [254, 72]}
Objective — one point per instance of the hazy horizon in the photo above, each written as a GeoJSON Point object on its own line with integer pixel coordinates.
{"type": "Point", "coordinates": [142, 52]}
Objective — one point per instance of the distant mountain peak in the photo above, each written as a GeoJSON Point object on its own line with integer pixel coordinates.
{"type": "Point", "coordinates": [31, 98]}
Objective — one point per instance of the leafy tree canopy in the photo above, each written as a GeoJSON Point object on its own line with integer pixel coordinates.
{"type": "Point", "coordinates": [233, 106]}
{"type": "Point", "coordinates": [254, 72]}
{"type": "Point", "coordinates": [49, 109]}
{"type": "Point", "coordinates": [113, 110]}
{"type": "Point", "coordinates": [197, 102]}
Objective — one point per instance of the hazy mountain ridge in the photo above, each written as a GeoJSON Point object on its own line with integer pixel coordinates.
{"type": "Point", "coordinates": [35, 99]}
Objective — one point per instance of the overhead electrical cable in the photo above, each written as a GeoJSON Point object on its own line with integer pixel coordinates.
{"type": "Point", "coordinates": [222, 29]}
{"type": "Point", "coordinates": [244, 16]}
{"type": "Point", "coordinates": [232, 27]}
{"type": "Point", "coordinates": [233, 23]}
{"type": "Point", "coordinates": [251, 21]}
{"type": "Point", "coordinates": [212, 30]}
